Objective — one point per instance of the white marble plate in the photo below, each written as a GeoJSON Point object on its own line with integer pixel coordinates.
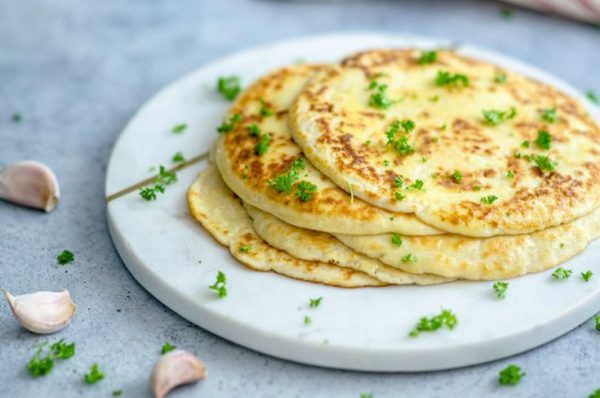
{"type": "Point", "coordinates": [362, 329]}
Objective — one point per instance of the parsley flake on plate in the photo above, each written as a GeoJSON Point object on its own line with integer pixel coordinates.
{"type": "Point", "coordinates": [117, 393]}
{"type": "Point", "coordinates": [94, 376]}
{"type": "Point", "coordinates": [488, 200]}
{"type": "Point", "coordinates": [62, 350]}
{"type": "Point", "coordinates": [229, 87]}
{"type": "Point", "coordinates": [164, 178]}
{"type": "Point", "coordinates": [65, 257]}
{"type": "Point", "coordinates": [550, 115]}
{"type": "Point", "coordinates": [305, 191]}
{"type": "Point", "coordinates": [396, 239]}
{"type": "Point", "coordinates": [42, 363]}
{"type": "Point", "coordinates": [220, 285]}
{"type": "Point", "coordinates": [500, 288]}
{"type": "Point", "coordinates": [428, 57]}
{"type": "Point", "coordinates": [367, 395]}
{"type": "Point", "coordinates": [180, 128]}
{"type": "Point", "coordinates": [445, 318]}
{"type": "Point", "coordinates": [166, 348]}
{"type": "Point", "coordinates": [592, 96]}
{"type": "Point", "coordinates": [587, 275]}
{"type": "Point", "coordinates": [227, 127]}
{"type": "Point", "coordinates": [595, 394]}
{"type": "Point", "coordinates": [510, 375]}
{"type": "Point", "coordinates": [445, 78]}
{"type": "Point", "coordinates": [178, 157]}
{"type": "Point", "coordinates": [597, 320]}
{"type": "Point", "coordinates": [561, 273]}
{"type": "Point", "coordinates": [263, 145]}
{"type": "Point", "coordinates": [543, 140]}
{"type": "Point", "coordinates": [16, 118]}
{"type": "Point", "coordinates": [506, 13]}
{"type": "Point", "coordinates": [307, 320]}
{"type": "Point", "coordinates": [314, 303]}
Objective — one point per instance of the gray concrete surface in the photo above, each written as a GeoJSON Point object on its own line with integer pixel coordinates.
{"type": "Point", "coordinates": [77, 70]}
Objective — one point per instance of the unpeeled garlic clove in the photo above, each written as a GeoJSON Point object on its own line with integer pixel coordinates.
{"type": "Point", "coordinates": [42, 312]}
{"type": "Point", "coordinates": [31, 184]}
{"type": "Point", "coordinates": [174, 369]}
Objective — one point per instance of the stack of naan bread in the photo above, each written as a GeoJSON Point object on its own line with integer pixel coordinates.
{"type": "Point", "coordinates": [395, 167]}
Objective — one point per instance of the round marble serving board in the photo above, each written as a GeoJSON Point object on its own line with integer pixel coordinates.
{"type": "Point", "coordinates": [176, 260]}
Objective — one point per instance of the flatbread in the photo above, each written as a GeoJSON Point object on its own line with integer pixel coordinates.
{"type": "Point", "coordinates": [248, 174]}
{"type": "Point", "coordinates": [223, 216]}
{"type": "Point", "coordinates": [320, 246]}
{"type": "Point", "coordinates": [498, 257]}
{"type": "Point", "coordinates": [345, 138]}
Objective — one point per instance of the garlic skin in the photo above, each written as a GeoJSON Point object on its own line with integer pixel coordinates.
{"type": "Point", "coordinates": [30, 183]}
{"type": "Point", "coordinates": [173, 369]}
{"type": "Point", "coordinates": [42, 312]}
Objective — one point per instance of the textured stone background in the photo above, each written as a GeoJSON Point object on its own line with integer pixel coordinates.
{"type": "Point", "coordinates": [77, 70]}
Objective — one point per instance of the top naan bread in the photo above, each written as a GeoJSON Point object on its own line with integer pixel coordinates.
{"type": "Point", "coordinates": [264, 105]}
{"type": "Point", "coordinates": [531, 161]}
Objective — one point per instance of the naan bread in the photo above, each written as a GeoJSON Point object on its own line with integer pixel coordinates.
{"type": "Point", "coordinates": [459, 155]}
{"type": "Point", "coordinates": [248, 174]}
{"type": "Point", "coordinates": [498, 257]}
{"type": "Point", "coordinates": [322, 247]}
{"type": "Point", "coordinates": [224, 217]}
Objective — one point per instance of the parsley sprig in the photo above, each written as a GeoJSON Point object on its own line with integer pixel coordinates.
{"type": "Point", "coordinates": [550, 115]}
{"type": "Point", "coordinates": [445, 78]}
{"type": "Point", "coordinates": [179, 128]}
{"type": "Point", "coordinates": [409, 258]}
{"type": "Point", "coordinates": [543, 140]}
{"type": "Point", "coordinates": [511, 375]}
{"type": "Point", "coordinates": [396, 239]}
{"type": "Point", "coordinates": [500, 288]}
{"type": "Point", "coordinates": [561, 273]}
{"type": "Point", "coordinates": [428, 57]}
{"type": "Point", "coordinates": [229, 87]}
{"type": "Point", "coordinates": [284, 182]}
{"type": "Point", "coordinates": [314, 303]}
{"type": "Point", "coordinates": [305, 191]}
{"type": "Point", "coordinates": [445, 318]}
{"type": "Point", "coordinates": [488, 200]}
{"type": "Point", "coordinates": [164, 178]}
{"type": "Point", "coordinates": [544, 163]}
{"type": "Point", "coordinates": [228, 126]}
{"type": "Point", "coordinates": [94, 376]}
{"type": "Point", "coordinates": [220, 285]}
{"type": "Point", "coordinates": [166, 348]}
{"type": "Point", "coordinates": [400, 145]}
{"type": "Point", "coordinates": [65, 257]}
{"type": "Point", "coordinates": [379, 98]}
{"type": "Point", "coordinates": [494, 117]}
{"type": "Point", "coordinates": [264, 142]}
{"type": "Point", "coordinates": [41, 365]}
{"type": "Point", "coordinates": [587, 275]}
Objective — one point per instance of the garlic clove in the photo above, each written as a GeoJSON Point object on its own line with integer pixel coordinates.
{"type": "Point", "coordinates": [42, 312]}
{"type": "Point", "coordinates": [174, 369]}
{"type": "Point", "coordinates": [31, 184]}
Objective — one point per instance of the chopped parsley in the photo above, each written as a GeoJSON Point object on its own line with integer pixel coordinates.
{"type": "Point", "coordinates": [445, 318]}
{"type": "Point", "coordinates": [488, 200]}
{"type": "Point", "coordinates": [595, 394]}
{"type": "Point", "coordinates": [307, 320]}
{"type": "Point", "coordinates": [94, 376]}
{"type": "Point", "coordinates": [428, 57]}
{"type": "Point", "coordinates": [587, 275]}
{"type": "Point", "coordinates": [180, 128]}
{"type": "Point", "coordinates": [166, 348]}
{"type": "Point", "coordinates": [366, 395]}
{"type": "Point", "coordinates": [500, 78]}
{"type": "Point", "coordinates": [591, 96]}
{"type": "Point", "coordinates": [263, 145]}
{"type": "Point", "coordinates": [41, 365]}
{"type": "Point", "coordinates": [178, 157]}
{"type": "Point", "coordinates": [398, 181]}
{"type": "Point", "coordinates": [457, 176]}
{"type": "Point", "coordinates": [305, 191]}
{"type": "Point", "coordinates": [227, 127]}
{"type": "Point", "coordinates": [386, 163]}
{"type": "Point", "coordinates": [245, 249]}
{"type": "Point", "coordinates": [62, 350]}
{"type": "Point", "coordinates": [409, 258]}
{"type": "Point", "coordinates": [399, 196]}
{"type": "Point", "coordinates": [493, 117]}
{"type": "Point", "coordinates": [163, 179]}
{"type": "Point", "coordinates": [500, 288]}
{"type": "Point", "coordinates": [396, 239]}
{"type": "Point", "coordinates": [254, 130]}
{"type": "Point", "coordinates": [597, 320]}
{"type": "Point", "coordinates": [445, 78]}
{"type": "Point", "coordinates": [314, 303]}
{"type": "Point", "coordinates": [220, 285]}
{"type": "Point", "coordinates": [264, 109]}
{"type": "Point", "coordinates": [229, 87]}
{"type": "Point", "coordinates": [16, 118]}
{"type": "Point", "coordinates": [510, 375]}
{"type": "Point", "coordinates": [476, 188]}
{"type": "Point", "coordinates": [284, 182]}
{"type": "Point", "coordinates": [379, 98]}
{"type": "Point", "coordinates": [510, 174]}
{"type": "Point", "coordinates": [544, 163]}
{"type": "Point", "coordinates": [525, 144]}
{"type": "Point", "coordinates": [506, 13]}
{"type": "Point", "coordinates": [549, 115]}
{"type": "Point", "coordinates": [418, 185]}
{"type": "Point", "coordinates": [65, 257]}
{"type": "Point", "coordinates": [543, 140]}
{"type": "Point", "coordinates": [561, 273]}
{"type": "Point", "coordinates": [117, 393]}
